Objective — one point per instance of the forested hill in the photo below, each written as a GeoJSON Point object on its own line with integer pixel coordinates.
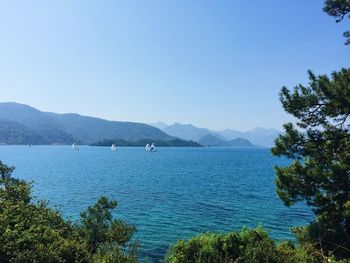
{"type": "Point", "coordinates": [22, 124]}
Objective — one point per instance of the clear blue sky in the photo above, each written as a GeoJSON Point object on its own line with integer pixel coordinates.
{"type": "Point", "coordinates": [215, 64]}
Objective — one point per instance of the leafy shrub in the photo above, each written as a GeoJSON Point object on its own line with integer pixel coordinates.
{"type": "Point", "coordinates": [248, 245]}
{"type": "Point", "coordinates": [32, 232]}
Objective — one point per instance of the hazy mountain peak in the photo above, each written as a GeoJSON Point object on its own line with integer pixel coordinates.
{"type": "Point", "coordinates": [184, 125]}
{"type": "Point", "coordinates": [186, 131]}
{"type": "Point", "coordinates": [14, 106]}
{"type": "Point", "coordinates": [212, 140]}
{"type": "Point", "coordinates": [261, 129]}
{"type": "Point", "coordinates": [257, 136]}
{"type": "Point", "coordinates": [159, 124]}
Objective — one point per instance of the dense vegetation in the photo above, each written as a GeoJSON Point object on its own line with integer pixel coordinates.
{"type": "Point", "coordinates": [320, 150]}
{"type": "Point", "coordinates": [30, 231]}
{"type": "Point", "coordinates": [247, 246]}
{"type": "Point", "coordinates": [161, 143]}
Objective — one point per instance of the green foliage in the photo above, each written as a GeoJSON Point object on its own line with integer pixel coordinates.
{"type": "Point", "coordinates": [320, 150]}
{"type": "Point", "coordinates": [5, 171]}
{"type": "Point", "coordinates": [98, 226]}
{"type": "Point", "coordinates": [246, 246]}
{"type": "Point", "coordinates": [33, 232]}
{"type": "Point", "coordinates": [289, 253]}
{"type": "Point", "coordinates": [338, 9]}
{"type": "Point", "coordinates": [108, 253]}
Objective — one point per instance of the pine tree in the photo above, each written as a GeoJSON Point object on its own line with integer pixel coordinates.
{"type": "Point", "coordinates": [319, 146]}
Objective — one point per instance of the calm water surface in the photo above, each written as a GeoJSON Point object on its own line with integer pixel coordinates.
{"type": "Point", "coordinates": [169, 195]}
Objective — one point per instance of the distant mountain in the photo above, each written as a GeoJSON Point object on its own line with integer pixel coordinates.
{"type": "Point", "coordinates": [229, 134]}
{"type": "Point", "coordinates": [240, 142]}
{"type": "Point", "coordinates": [261, 136]}
{"type": "Point", "coordinates": [258, 136]}
{"type": "Point", "coordinates": [186, 131]}
{"type": "Point", "coordinates": [90, 130]}
{"type": "Point", "coordinates": [14, 133]}
{"type": "Point", "coordinates": [31, 126]}
{"type": "Point", "coordinates": [160, 125]}
{"type": "Point", "coordinates": [212, 140]}
{"type": "Point", "coordinates": [34, 123]}
{"type": "Point", "coordinates": [22, 124]}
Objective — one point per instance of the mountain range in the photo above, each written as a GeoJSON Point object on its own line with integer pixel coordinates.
{"type": "Point", "coordinates": [258, 136]}
{"type": "Point", "coordinates": [23, 124]}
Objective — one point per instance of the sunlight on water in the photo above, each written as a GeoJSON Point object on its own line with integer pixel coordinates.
{"type": "Point", "coordinates": [169, 195]}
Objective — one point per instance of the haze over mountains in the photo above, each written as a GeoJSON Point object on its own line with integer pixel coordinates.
{"type": "Point", "coordinates": [258, 136]}
{"type": "Point", "coordinates": [23, 124]}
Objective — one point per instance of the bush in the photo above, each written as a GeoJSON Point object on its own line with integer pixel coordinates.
{"type": "Point", "coordinates": [248, 246]}
{"type": "Point", "coordinates": [32, 232]}
{"type": "Point", "coordinates": [108, 253]}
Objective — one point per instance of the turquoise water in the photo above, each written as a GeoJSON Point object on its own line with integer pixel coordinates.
{"type": "Point", "coordinates": [169, 195]}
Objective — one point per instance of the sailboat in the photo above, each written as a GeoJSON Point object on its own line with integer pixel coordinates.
{"type": "Point", "coordinates": [153, 147]}
{"type": "Point", "coordinates": [75, 147]}
{"type": "Point", "coordinates": [114, 147]}
{"type": "Point", "coordinates": [148, 147]}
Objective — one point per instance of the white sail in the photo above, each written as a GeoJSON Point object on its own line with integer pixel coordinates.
{"type": "Point", "coordinates": [147, 147]}
{"type": "Point", "coordinates": [153, 147]}
{"type": "Point", "coordinates": [114, 147]}
{"type": "Point", "coordinates": [75, 147]}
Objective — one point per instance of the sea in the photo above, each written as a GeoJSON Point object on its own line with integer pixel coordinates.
{"type": "Point", "coordinates": [169, 195]}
